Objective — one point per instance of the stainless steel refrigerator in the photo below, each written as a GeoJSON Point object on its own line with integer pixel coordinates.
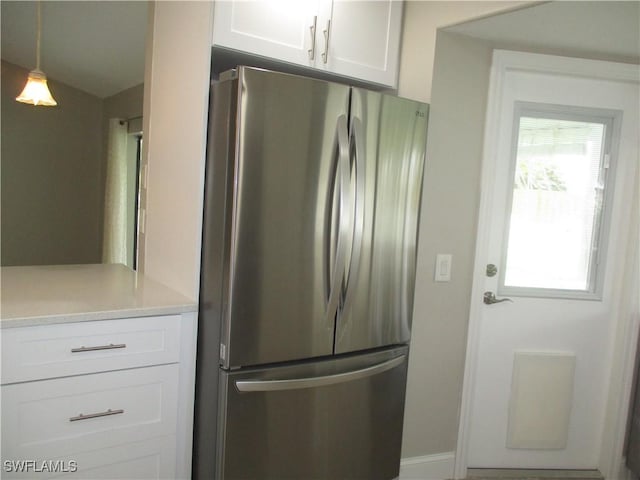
{"type": "Point", "coordinates": [309, 247]}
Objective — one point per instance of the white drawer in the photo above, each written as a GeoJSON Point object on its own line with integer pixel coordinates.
{"type": "Point", "coordinates": [45, 419]}
{"type": "Point", "coordinates": [48, 351]}
{"type": "Point", "coordinates": [150, 459]}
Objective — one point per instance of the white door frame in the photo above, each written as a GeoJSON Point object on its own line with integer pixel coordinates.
{"type": "Point", "coordinates": [626, 329]}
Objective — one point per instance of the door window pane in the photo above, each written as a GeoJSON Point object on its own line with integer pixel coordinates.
{"type": "Point", "coordinates": [556, 205]}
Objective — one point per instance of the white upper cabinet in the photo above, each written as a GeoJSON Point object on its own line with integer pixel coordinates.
{"type": "Point", "coordinates": [357, 39]}
{"type": "Point", "coordinates": [276, 28]}
{"type": "Point", "coordinates": [364, 40]}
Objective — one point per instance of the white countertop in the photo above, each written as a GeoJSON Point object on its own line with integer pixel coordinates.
{"type": "Point", "coordinates": [40, 295]}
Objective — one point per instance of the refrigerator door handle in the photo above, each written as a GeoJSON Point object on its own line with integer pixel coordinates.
{"type": "Point", "coordinates": [314, 382]}
{"type": "Point", "coordinates": [337, 272]}
{"type": "Point", "coordinates": [358, 224]}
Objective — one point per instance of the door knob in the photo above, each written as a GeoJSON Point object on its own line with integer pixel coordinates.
{"type": "Point", "coordinates": [490, 298]}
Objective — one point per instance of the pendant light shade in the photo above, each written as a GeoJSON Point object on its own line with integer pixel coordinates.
{"type": "Point", "coordinates": [36, 91]}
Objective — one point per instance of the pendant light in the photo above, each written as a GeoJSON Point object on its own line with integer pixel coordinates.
{"type": "Point", "coordinates": [36, 92]}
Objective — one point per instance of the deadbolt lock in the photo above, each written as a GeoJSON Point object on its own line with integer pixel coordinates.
{"type": "Point", "coordinates": [491, 270]}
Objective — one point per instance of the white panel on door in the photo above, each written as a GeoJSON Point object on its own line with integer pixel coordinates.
{"type": "Point", "coordinates": [541, 396]}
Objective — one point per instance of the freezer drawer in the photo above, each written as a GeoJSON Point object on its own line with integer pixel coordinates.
{"type": "Point", "coordinates": [331, 419]}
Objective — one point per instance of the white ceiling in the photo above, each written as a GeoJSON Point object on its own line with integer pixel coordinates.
{"type": "Point", "coordinates": [95, 46]}
{"type": "Point", "coordinates": [595, 29]}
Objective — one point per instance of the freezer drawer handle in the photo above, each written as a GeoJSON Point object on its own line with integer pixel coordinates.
{"type": "Point", "coordinates": [111, 346]}
{"type": "Point", "coordinates": [313, 382]}
{"type": "Point", "coordinates": [96, 415]}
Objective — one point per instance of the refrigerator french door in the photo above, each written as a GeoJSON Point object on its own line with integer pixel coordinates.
{"type": "Point", "coordinates": [311, 206]}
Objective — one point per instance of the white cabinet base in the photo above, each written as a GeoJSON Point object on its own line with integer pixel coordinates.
{"type": "Point", "coordinates": [149, 459]}
{"type": "Point", "coordinates": [118, 418]}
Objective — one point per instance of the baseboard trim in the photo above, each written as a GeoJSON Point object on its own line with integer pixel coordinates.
{"type": "Point", "coordinates": [428, 467]}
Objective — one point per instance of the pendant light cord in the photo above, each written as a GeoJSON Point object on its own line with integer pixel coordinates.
{"type": "Point", "coordinates": [38, 33]}
{"type": "Point", "coordinates": [36, 91]}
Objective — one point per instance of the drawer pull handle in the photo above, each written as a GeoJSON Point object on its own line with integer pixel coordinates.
{"type": "Point", "coordinates": [96, 415]}
{"type": "Point", "coordinates": [111, 346]}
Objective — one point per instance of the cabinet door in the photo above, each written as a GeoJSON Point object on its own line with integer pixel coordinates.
{"type": "Point", "coordinates": [364, 40]}
{"type": "Point", "coordinates": [280, 29]}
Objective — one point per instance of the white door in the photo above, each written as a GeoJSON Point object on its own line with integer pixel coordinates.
{"type": "Point", "coordinates": [557, 190]}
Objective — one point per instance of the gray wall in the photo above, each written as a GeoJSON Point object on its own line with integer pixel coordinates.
{"type": "Point", "coordinates": [53, 171]}
{"type": "Point", "coordinates": [125, 104]}
{"type": "Point", "coordinates": [451, 192]}
{"type": "Point", "coordinates": [421, 21]}
{"type": "Point", "coordinates": [51, 176]}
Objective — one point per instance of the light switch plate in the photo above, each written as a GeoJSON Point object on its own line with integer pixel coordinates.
{"type": "Point", "coordinates": [443, 267]}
